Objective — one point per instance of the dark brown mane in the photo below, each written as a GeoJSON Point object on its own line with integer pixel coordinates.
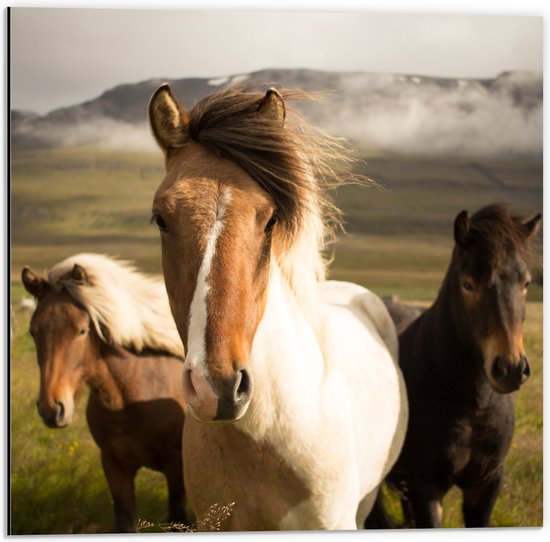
{"type": "Point", "coordinates": [291, 162]}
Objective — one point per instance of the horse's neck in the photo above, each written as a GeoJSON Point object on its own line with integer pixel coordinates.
{"type": "Point", "coordinates": [286, 360]}
{"type": "Point", "coordinates": [452, 351]}
{"type": "Point", "coordinates": [109, 384]}
{"type": "Point", "coordinates": [291, 321]}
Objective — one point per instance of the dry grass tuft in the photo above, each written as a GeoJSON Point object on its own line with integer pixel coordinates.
{"type": "Point", "coordinates": [212, 520]}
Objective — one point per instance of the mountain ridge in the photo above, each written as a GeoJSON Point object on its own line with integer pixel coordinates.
{"type": "Point", "coordinates": [389, 112]}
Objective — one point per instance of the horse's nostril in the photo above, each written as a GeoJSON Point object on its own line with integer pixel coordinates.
{"type": "Point", "coordinates": [525, 369]}
{"type": "Point", "coordinates": [60, 414]}
{"type": "Point", "coordinates": [500, 368]}
{"type": "Point", "coordinates": [245, 384]}
{"type": "Point", "coordinates": [235, 393]}
{"type": "Point", "coordinates": [59, 411]}
{"type": "Point", "coordinates": [53, 415]}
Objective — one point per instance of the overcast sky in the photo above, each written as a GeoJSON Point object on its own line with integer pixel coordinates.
{"type": "Point", "coordinates": [65, 56]}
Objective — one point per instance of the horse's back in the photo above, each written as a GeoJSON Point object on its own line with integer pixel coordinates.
{"type": "Point", "coordinates": [366, 306]}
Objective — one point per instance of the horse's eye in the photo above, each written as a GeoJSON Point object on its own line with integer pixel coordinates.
{"type": "Point", "coordinates": [467, 286]}
{"type": "Point", "coordinates": [82, 331]}
{"type": "Point", "coordinates": [527, 284]}
{"type": "Point", "coordinates": [159, 221]}
{"type": "Point", "coordinates": [270, 223]}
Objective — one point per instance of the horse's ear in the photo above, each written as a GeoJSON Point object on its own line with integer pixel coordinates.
{"type": "Point", "coordinates": [462, 228]}
{"type": "Point", "coordinates": [168, 119]}
{"type": "Point", "coordinates": [79, 275]}
{"type": "Point", "coordinates": [532, 226]}
{"type": "Point", "coordinates": [273, 106]}
{"type": "Point", "coordinates": [35, 285]}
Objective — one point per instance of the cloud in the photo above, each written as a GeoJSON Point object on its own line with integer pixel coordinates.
{"type": "Point", "coordinates": [414, 115]}
{"type": "Point", "coordinates": [378, 113]}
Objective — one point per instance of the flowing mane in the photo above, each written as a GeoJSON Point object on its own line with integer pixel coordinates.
{"type": "Point", "coordinates": [292, 162]}
{"type": "Point", "coordinates": [127, 308]}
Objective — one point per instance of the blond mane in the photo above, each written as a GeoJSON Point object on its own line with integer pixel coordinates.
{"type": "Point", "coordinates": [127, 308]}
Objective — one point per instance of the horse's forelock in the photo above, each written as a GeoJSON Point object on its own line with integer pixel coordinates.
{"type": "Point", "coordinates": [126, 307]}
{"type": "Point", "coordinates": [498, 226]}
{"type": "Point", "coordinates": [292, 163]}
{"type": "Point", "coordinates": [496, 233]}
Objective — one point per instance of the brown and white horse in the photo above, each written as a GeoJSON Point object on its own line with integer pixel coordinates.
{"type": "Point", "coordinates": [298, 405]}
{"type": "Point", "coordinates": [100, 322]}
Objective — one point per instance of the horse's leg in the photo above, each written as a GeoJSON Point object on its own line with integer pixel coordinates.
{"type": "Point", "coordinates": [176, 492]}
{"type": "Point", "coordinates": [478, 502]}
{"type": "Point", "coordinates": [408, 516]}
{"type": "Point", "coordinates": [405, 500]}
{"type": "Point", "coordinates": [379, 517]}
{"type": "Point", "coordinates": [425, 500]}
{"type": "Point", "coordinates": [121, 484]}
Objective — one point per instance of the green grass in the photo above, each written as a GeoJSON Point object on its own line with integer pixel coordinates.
{"type": "Point", "coordinates": [399, 241]}
{"type": "Point", "coordinates": [57, 484]}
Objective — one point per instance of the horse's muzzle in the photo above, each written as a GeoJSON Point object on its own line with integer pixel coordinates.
{"type": "Point", "coordinates": [224, 401]}
{"type": "Point", "coordinates": [55, 416]}
{"type": "Point", "coordinates": [507, 375]}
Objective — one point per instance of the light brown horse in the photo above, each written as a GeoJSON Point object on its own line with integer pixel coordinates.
{"type": "Point", "coordinates": [298, 405]}
{"type": "Point", "coordinates": [101, 323]}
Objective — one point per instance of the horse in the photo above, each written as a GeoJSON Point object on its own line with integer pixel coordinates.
{"type": "Point", "coordinates": [402, 314]}
{"type": "Point", "coordinates": [298, 407]}
{"type": "Point", "coordinates": [100, 322]}
{"type": "Point", "coordinates": [461, 359]}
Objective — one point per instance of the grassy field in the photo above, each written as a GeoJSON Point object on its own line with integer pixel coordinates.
{"type": "Point", "coordinates": [399, 238]}
{"type": "Point", "coordinates": [65, 201]}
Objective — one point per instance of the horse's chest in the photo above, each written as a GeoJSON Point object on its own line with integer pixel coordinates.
{"type": "Point", "coordinates": [223, 466]}
{"type": "Point", "coordinates": [452, 431]}
{"type": "Point", "coordinates": [458, 445]}
{"type": "Point", "coordinates": [474, 446]}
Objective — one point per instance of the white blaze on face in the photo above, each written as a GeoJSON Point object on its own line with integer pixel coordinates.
{"type": "Point", "coordinates": [196, 340]}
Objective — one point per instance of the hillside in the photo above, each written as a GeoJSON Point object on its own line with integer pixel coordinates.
{"type": "Point", "coordinates": [399, 236]}
{"type": "Point", "coordinates": [402, 114]}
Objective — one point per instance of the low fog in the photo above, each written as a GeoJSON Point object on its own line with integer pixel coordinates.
{"type": "Point", "coordinates": [376, 113]}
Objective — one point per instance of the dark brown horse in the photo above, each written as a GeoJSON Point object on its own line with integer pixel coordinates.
{"type": "Point", "coordinates": [461, 360]}
{"type": "Point", "coordinates": [94, 324]}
